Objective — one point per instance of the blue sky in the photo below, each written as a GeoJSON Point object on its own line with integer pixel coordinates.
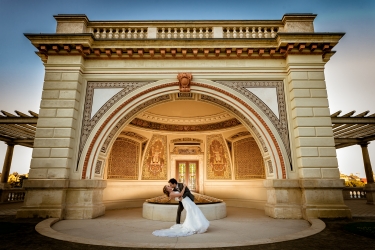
{"type": "Point", "coordinates": [350, 73]}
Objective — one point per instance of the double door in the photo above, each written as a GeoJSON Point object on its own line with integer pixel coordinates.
{"type": "Point", "coordinates": [187, 172]}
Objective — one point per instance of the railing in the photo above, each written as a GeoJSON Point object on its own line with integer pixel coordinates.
{"type": "Point", "coordinates": [351, 193]}
{"type": "Point", "coordinates": [120, 33]}
{"type": "Point", "coordinates": [198, 32]}
{"type": "Point", "coordinates": [12, 195]}
{"type": "Point", "coordinates": [180, 33]}
{"type": "Point", "coordinates": [250, 32]}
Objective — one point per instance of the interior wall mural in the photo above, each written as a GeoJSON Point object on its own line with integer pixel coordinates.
{"type": "Point", "coordinates": [248, 160]}
{"type": "Point", "coordinates": [123, 162]}
{"type": "Point", "coordinates": [218, 161]}
{"type": "Point", "coordinates": [155, 164]}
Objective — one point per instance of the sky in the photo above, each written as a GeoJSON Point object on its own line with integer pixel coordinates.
{"type": "Point", "coordinates": [350, 74]}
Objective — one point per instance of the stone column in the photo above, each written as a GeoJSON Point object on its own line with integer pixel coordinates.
{"type": "Point", "coordinates": [370, 186]}
{"type": "Point", "coordinates": [7, 165]}
{"type": "Point", "coordinates": [56, 140]}
{"type": "Point", "coordinates": [312, 138]}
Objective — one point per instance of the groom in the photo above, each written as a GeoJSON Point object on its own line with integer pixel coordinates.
{"type": "Point", "coordinates": [178, 187]}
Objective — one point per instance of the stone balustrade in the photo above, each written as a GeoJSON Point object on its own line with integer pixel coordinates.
{"type": "Point", "coordinates": [200, 32]}
{"type": "Point", "coordinates": [120, 33]}
{"type": "Point", "coordinates": [250, 32]}
{"type": "Point", "coordinates": [351, 193]}
{"type": "Point", "coordinates": [181, 33]}
{"type": "Point", "coordinates": [12, 195]}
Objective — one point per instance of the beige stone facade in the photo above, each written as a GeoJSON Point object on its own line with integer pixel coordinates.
{"type": "Point", "coordinates": [252, 126]}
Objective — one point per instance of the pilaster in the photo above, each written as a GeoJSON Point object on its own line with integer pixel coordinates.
{"type": "Point", "coordinates": [56, 140]}
{"type": "Point", "coordinates": [312, 138]}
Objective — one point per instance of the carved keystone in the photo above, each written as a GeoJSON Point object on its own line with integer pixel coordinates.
{"type": "Point", "coordinates": [184, 81]}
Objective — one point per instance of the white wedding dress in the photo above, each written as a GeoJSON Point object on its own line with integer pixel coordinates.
{"type": "Point", "coordinates": [195, 222]}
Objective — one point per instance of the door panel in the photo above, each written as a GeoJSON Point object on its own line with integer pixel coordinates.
{"type": "Point", "coordinates": [187, 172]}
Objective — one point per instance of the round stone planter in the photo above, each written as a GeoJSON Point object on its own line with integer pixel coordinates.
{"type": "Point", "coordinates": [162, 212]}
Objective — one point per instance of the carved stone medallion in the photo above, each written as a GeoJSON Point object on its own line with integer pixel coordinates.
{"type": "Point", "coordinates": [184, 80]}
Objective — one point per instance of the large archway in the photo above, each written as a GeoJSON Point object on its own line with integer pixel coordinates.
{"type": "Point", "coordinates": [246, 119]}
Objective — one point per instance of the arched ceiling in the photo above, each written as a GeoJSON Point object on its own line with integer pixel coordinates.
{"type": "Point", "coordinates": [182, 112]}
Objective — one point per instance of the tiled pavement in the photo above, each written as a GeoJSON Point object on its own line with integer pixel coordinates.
{"type": "Point", "coordinates": [359, 208]}
{"type": "Point", "coordinates": [10, 208]}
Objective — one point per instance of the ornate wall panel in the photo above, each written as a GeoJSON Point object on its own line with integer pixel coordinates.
{"type": "Point", "coordinates": [248, 161]}
{"type": "Point", "coordinates": [124, 160]}
{"type": "Point", "coordinates": [218, 161]}
{"type": "Point", "coordinates": [89, 122]}
{"type": "Point", "coordinates": [155, 159]}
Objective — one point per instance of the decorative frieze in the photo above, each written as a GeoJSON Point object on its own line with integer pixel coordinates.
{"type": "Point", "coordinates": [185, 128]}
{"type": "Point", "coordinates": [240, 134]}
{"type": "Point", "coordinates": [134, 135]}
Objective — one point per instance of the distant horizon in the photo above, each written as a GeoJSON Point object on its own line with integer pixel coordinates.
{"type": "Point", "coordinates": [349, 74]}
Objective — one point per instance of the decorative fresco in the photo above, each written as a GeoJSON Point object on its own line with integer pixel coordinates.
{"type": "Point", "coordinates": [124, 160]}
{"type": "Point", "coordinates": [248, 161]}
{"type": "Point", "coordinates": [155, 160]}
{"type": "Point", "coordinates": [218, 161]}
{"type": "Point", "coordinates": [175, 127]}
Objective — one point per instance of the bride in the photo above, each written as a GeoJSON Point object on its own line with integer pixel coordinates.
{"type": "Point", "coordinates": [195, 222]}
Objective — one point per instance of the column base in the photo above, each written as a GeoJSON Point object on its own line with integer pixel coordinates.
{"type": "Point", "coordinates": [45, 198]}
{"type": "Point", "coordinates": [84, 199]}
{"type": "Point", "coordinates": [63, 199]}
{"type": "Point", "coordinates": [370, 193]}
{"type": "Point", "coordinates": [323, 198]}
{"type": "Point", "coordinates": [283, 211]}
{"type": "Point", "coordinates": [283, 199]}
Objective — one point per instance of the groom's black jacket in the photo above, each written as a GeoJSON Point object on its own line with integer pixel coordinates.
{"type": "Point", "coordinates": [186, 193]}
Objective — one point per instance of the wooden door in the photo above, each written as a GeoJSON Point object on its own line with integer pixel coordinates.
{"type": "Point", "coordinates": [187, 172]}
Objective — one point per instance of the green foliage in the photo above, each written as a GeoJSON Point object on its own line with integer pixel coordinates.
{"type": "Point", "coordinates": [354, 183]}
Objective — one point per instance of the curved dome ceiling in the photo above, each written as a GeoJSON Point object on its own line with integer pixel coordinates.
{"type": "Point", "coordinates": [193, 115]}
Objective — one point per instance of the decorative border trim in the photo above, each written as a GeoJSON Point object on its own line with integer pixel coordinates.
{"type": "Point", "coordinates": [88, 122]}
{"type": "Point", "coordinates": [239, 135]}
{"type": "Point", "coordinates": [134, 135]}
{"type": "Point", "coordinates": [281, 124]}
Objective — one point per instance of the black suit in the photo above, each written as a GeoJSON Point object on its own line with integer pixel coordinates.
{"type": "Point", "coordinates": [180, 206]}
